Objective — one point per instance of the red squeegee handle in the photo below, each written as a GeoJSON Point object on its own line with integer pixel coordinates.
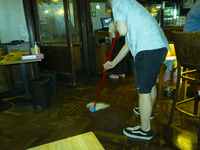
{"type": "Point", "coordinates": [105, 69]}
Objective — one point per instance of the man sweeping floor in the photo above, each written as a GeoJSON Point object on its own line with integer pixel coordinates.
{"type": "Point", "coordinates": [148, 45]}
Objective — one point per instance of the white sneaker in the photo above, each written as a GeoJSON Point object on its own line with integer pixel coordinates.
{"type": "Point", "coordinates": [113, 76]}
{"type": "Point", "coordinates": [122, 75]}
{"type": "Point", "coordinates": [138, 133]}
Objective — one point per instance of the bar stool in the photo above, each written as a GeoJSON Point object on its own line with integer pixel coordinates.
{"type": "Point", "coordinates": [187, 48]}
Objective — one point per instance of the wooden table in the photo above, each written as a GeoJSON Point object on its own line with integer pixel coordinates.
{"type": "Point", "coordinates": [19, 62]}
{"type": "Point", "coordinates": [86, 141]}
{"type": "Point", "coordinates": [25, 72]}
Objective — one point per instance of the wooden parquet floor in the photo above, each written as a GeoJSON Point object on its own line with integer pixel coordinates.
{"type": "Point", "coordinates": [25, 127]}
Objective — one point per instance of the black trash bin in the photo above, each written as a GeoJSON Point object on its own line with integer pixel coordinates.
{"type": "Point", "coordinates": [53, 82]}
{"type": "Point", "coordinates": [41, 93]}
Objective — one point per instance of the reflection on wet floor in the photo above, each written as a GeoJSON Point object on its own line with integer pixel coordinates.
{"type": "Point", "coordinates": [26, 127]}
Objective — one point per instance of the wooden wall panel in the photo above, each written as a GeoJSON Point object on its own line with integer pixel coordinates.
{"type": "Point", "coordinates": [56, 59]}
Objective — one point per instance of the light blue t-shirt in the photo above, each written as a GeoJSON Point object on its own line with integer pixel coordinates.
{"type": "Point", "coordinates": [193, 18]}
{"type": "Point", "coordinates": [144, 32]}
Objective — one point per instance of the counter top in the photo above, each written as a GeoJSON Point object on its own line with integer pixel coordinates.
{"type": "Point", "coordinates": [18, 62]}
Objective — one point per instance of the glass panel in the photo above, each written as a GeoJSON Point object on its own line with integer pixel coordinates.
{"type": "Point", "coordinates": [52, 21]}
{"type": "Point", "coordinates": [73, 26]}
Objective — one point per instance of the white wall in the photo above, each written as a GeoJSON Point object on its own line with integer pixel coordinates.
{"type": "Point", "coordinates": [12, 21]}
{"type": "Point", "coordinates": [100, 13]}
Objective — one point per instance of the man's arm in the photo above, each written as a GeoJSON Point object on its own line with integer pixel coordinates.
{"type": "Point", "coordinates": [118, 58]}
{"type": "Point", "coordinates": [121, 54]}
{"type": "Point", "coordinates": [110, 37]}
{"type": "Point", "coordinates": [121, 27]}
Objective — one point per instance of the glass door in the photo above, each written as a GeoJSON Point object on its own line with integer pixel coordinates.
{"type": "Point", "coordinates": [63, 31]}
{"type": "Point", "coordinates": [51, 21]}
{"type": "Point", "coordinates": [52, 26]}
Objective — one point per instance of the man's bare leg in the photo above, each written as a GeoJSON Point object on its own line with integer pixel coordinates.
{"type": "Point", "coordinates": [146, 102]}
{"type": "Point", "coordinates": [153, 95]}
{"type": "Point", "coordinates": [145, 111]}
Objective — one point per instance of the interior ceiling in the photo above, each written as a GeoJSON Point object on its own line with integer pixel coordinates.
{"type": "Point", "coordinates": [57, 1]}
{"type": "Point", "coordinates": [98, 1]}
{"type": "Point", "coordinates": [49, 1]}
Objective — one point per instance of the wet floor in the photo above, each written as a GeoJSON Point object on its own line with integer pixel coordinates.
{"type": "Point", "coordinates": [26, 127]}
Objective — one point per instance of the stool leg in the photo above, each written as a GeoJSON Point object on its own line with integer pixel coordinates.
{"type": "Point", "coordinates": [198, 99]}
{"type": "Point", "coordinates": [196, 104]}
{"type": "Point", "coordinates": [184, 87]}
{"type": "Point", "coordinates": [161, 81]}
{"type": "Point", "coordinates": [176, 94]}
{"type": "Point", "coordinates": [198, 136]}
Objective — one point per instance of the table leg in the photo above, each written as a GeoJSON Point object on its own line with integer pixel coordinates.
{"type": "Point", "coordinates": [26, 79]}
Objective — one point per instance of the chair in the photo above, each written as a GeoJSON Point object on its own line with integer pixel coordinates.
{"type": "Point", "coordinates": [187, 48]}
